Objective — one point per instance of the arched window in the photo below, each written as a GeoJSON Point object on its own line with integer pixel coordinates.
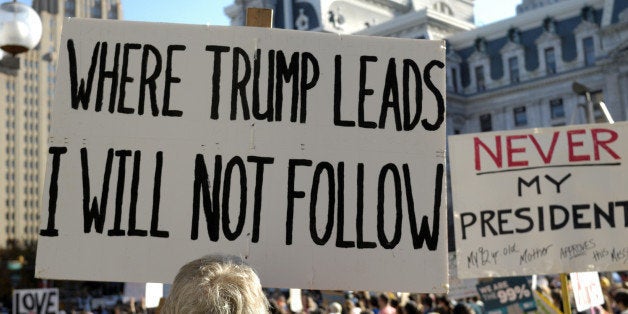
{"type": "Point", "coordinates": [443, 8]}
{"type": "Point", "coordinates": [70, 8]}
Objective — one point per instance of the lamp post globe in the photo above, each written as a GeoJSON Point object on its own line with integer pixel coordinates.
{"type": "Point", "coordinates": [20, 27]}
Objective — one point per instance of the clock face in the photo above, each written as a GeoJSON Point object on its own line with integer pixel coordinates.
{"type": "Point", "coordinates": [306, 15]}
{"type": "Point", "coordinates": [302, 22]}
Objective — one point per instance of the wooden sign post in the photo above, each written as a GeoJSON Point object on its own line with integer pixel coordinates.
{"type": "Point", "coordinates": [258, 17]}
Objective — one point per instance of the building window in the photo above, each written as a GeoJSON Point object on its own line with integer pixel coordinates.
{"type": "Point", "coordinates": [549, 25]}
{"type": "Point", "coordinates": [557, 110]}
{"type": "Point", "coordinates": [479, 78]}
{"type": "Point", "coordinates": [443, 8]}
{"type": "Point", "coordinates": [550, 61]}
{"type": "Point", "coordinates": [513, 65]}
{"type": "Point", "coordinates": [589, 51]}
{"type": "Point", "coordinates": [520, 116]}
{"type": "Point", "coordinates": [97, 10]}
{"type": "Point", "coordinates": [486, 123]}
{"type": "Point", "coordinates": [588, 14]}
{"type": "Point", "coordinates": [454, 80]}
{"type": "Point", "coordinates": [113, 12]}
{"type": "Point", "coordinates": [70, 8]}
{"type": "Point", "coordinates": [514, 35]}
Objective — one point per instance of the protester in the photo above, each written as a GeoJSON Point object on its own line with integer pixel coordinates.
{"type": "Point", "coordinates": [428, 303]}
{"type": "Point", "coordinates": [216, 285]}
{"type": "Point", "coordinates": [275, 308]}
{"type": "Point", "coordinates": [475, 306]}
{"type": "Point", "coordinates": [374, 305]}
{"type": "Point", "coordinates": [462, 308]}
{"type": "Point", "coordinates": [282, 305]}
{"type": "Point", "coordinates": [351, 308]}
{"type": "Point", "coordinates": [605, 284]}
{"type": "Point", "coordinates": [335, 308]}
{"type": "Point", "coordinates": [357, 302]}
{"type": "Point", "coordinates": [384, 305]}
{"type": "Point", "coordinates": [557, 299]}
{"type": "Point", "coordinates": [309, 305]}
{"type": "Point", "coordinates": [443, 304]}
{"type": "Point", "coordinates": [410, 308]}
{"type": "Point", "coordinates": [621, 300]}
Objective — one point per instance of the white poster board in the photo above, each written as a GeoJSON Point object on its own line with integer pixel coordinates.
{"type": "Point", "coordinates": [587, 290]}
{"type": "Point", "coordinates": [150, 292]}
{"type": "Point", "coordinates": [322, 150]}
{"type": "Point", "coordinates": [26, 301]}
{"type": "Point", "coordinates": [540, 201]}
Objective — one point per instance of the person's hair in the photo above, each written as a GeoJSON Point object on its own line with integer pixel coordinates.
{"type": "Point", "coordinates": [349, 305]}
{"type": "Point", "coordinates": [274, 307]}
{"type": "Point", "coordinates": [462, 308]}
{"type": "Point", "coordinates": [335, 307]}
{"type": "Point", "coordinates": [621, 297]}
{"type": "Point", "coordinates": [427, 300]}
{"type": "Point", "coordinates": [373, 302]}
{"type": "Point", "coordinates": [443, 299]}
{"type": "Point", "coordinates": [557, 298]}
{"type": "Point", "coordinates": [394, 303]}
{"type": "Point", "coordinates": [412, 308]}
{"type": "Point", "coordinates": [216, 285]}
{"type": "Point", "coordinates": [384, 298]}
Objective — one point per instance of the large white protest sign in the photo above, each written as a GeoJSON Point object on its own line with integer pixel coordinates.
{"type": "Point", "coordinates": [317, 158]}
{"type": "Point", "coordinates": [540, 201]}
{"type": "Point", "coordinates": [26, 301]}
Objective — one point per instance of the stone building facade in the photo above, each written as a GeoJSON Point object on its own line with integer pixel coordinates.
{"type": "Point", "coordinates": [519, 72]}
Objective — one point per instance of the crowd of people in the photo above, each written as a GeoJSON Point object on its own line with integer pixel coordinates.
{"type": "Point", "coordinates": [365, 302]}
{"type": "Point", "coordinates": [616, 297]}
{"type": "Point", "coordinates": [226, 285]}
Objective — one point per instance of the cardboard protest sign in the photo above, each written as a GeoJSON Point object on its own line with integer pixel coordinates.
{"type": "Point", "coordinates": [150, 292]}
{"type": "Point", "coordinates": [540, 201]}
{"type": "Point", "coordinates": [26, 301]}
{"type": "Point", "coordinates": [587, 290]}
{"type": "Point", "coordinates": [317, 158]}
{"type": "Point", "coordinates": [506, 295]}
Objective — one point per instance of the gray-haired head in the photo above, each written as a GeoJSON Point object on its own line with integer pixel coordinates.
{"type": "Point", "coordinates": [216, 285]}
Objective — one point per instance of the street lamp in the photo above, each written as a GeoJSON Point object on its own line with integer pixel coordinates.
{"type": "Point", "coordinates": [20, 27]}
{"type": "Point", "coordinates": [583, 90]}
